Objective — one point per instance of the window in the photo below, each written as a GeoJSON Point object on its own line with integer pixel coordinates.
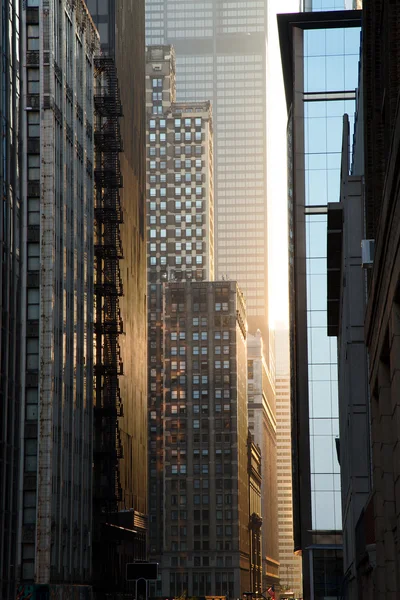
{"type": "Point", "coordinates": [33, 257]}
{"type": "Point", "coordinates": [33, 304]}
{"type": "Point", "coordinates": [152, 124]}
{"type": "Point", "coordinates": [152, 137]}
{"type": "Point", "coordinates": [33, 81]}
{"type": "Point", "coordinates": [33, 167]}
{"type": "Point", "coordinates": [32, 354]}
{"type": "Point", "coordinates": [33, 211]}
{"type": "Point", "coordinates": [33, 123]}
{"type": "Point", "coordinates": [177, 122]}
{"type": "Point", "coordinates": [30, 455]}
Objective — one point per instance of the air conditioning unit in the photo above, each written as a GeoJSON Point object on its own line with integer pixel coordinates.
{"type": "Point", "coordinates": [157, 67]}
{"type": "Point", "coordinates": [367, 253]}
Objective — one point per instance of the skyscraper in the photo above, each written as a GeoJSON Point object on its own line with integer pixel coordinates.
{"type": "Point", "coordinates": [57, 355]}
{"type": "Point", "coordinates": [10, 295]}
{"type": "Point", "coordinates": [221, 56]}
{"type": "Point", "coordinates": [206, 549]}
{"type": "Point", "coordinates": [320, 52]}
{"type": "Point", "coordinates": [180, 233]}
{"type": "Point", "coordinates": [120, 460]}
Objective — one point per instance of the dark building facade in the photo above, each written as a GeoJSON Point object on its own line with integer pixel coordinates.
{"type": "Point", "coordinates": [379, 527]}
{"type": "Point", "coordinates": [121, 28]}
{"type": "Point", "coordinates": [10, 294]}
{"type": "Point", "coordinates": [320, 53]}
{"type": "Point", "coordinates": [206, 549]}
{"type": "Point", "coordinates": [346, 309]}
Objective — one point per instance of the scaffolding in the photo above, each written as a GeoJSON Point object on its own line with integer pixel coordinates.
{"type": "Point", "coordinates": [108, 289]}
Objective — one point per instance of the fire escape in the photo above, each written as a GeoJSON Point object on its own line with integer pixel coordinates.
{"type": "Point", "coordinates": [108, 290]}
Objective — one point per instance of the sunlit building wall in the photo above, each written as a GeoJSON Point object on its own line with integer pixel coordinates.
{"type": "Point", "coordinates": [221, 56]}
{"type": "Point", "coordinates": [290, 567]}
{"type": "Point", "coordinates": [262, 425]}
{"type": "Point", "coordinates": [325, 64]}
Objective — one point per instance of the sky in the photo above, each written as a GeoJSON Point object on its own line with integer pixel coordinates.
{"type": "Point", "coordinates": [277, 169]}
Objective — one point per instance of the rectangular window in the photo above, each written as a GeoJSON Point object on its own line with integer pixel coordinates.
{"type": "Point", "coordinates": [33, 304]}
{"type": "Point", "coordinates": [33, 167]}
{"type": "Point", "coordinates": [33, 257]}
{"type": "Point", "coordinates": [33, 124]}
{"type": "Point", "coordinates": [33, 81]}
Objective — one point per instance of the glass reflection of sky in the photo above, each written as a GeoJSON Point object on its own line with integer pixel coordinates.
{"type": "Point", "coordinates": [330, 65]}
{"type": "Point", "coordinates": [327, 5]}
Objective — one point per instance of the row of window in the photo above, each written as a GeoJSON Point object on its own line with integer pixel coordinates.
{"type": "Point", "coordinates": [179, 260]}
{"type": "Point", "coordinates": [179, 178]}
{"type": "Point", "coordinates": [187, 191]}
{"type": "Point", "coordinates": [188, 136]}
{"type": "Point", "coordinates": [189, 233]}
{"type": "Point", "coordinates": [178, 163]}
{"type": "Point", "coordinates": [162, 123]}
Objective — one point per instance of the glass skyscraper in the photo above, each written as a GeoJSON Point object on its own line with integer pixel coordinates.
{"type": "Point", "coordinates": [221, 56]}
{"type": "Point", "coordinates": [324, 49]}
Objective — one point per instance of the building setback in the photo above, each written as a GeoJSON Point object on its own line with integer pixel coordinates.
{"type": "Point", "coordinates": [10, 296]}
{"type": "Point", "coordinates": [57, 360]}
{"type": "Point", "coordinates": [206, 480]}
{"type": "Point", "coordinates": [121, 318]}
{"type": "Point", "coordinates": [221, 55]}
{"type": "Point", "coordinates": [262, 424]}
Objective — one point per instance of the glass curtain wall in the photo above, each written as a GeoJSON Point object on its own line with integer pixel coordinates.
{"type": "Point", "coordinates": [323, 5]}
{"type": "Point", "coordinates": [331, 59]}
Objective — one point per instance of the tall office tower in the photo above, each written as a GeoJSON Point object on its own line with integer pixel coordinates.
{"type": "Point", "coordinates": [10, 296]}
{"type": "Point", "coordinates": [206, 480]}
{"type": "Point", "coordinates": [262, 424]}
{"type": "Point", "coordinates": [289, 563]}
{"type": "Point", "coordinates": [180, 232]}
{"type": "Point", "coordinates": [121, 287]}
{"type": "Point", "coordinates": [57, 356]}
{"type": "Point", "coordinates": [221, 55]}
{"type": "Point", "coordinates": [320, 53]}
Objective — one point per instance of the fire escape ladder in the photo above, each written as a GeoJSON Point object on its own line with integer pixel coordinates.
{"type": "Point", "coordinates": [108, 324]}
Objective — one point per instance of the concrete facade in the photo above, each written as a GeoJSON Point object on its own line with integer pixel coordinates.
{"type": "Point", "coordinates": [55, 485]}
{"type": "Point", "coordinates": [10, 296]}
